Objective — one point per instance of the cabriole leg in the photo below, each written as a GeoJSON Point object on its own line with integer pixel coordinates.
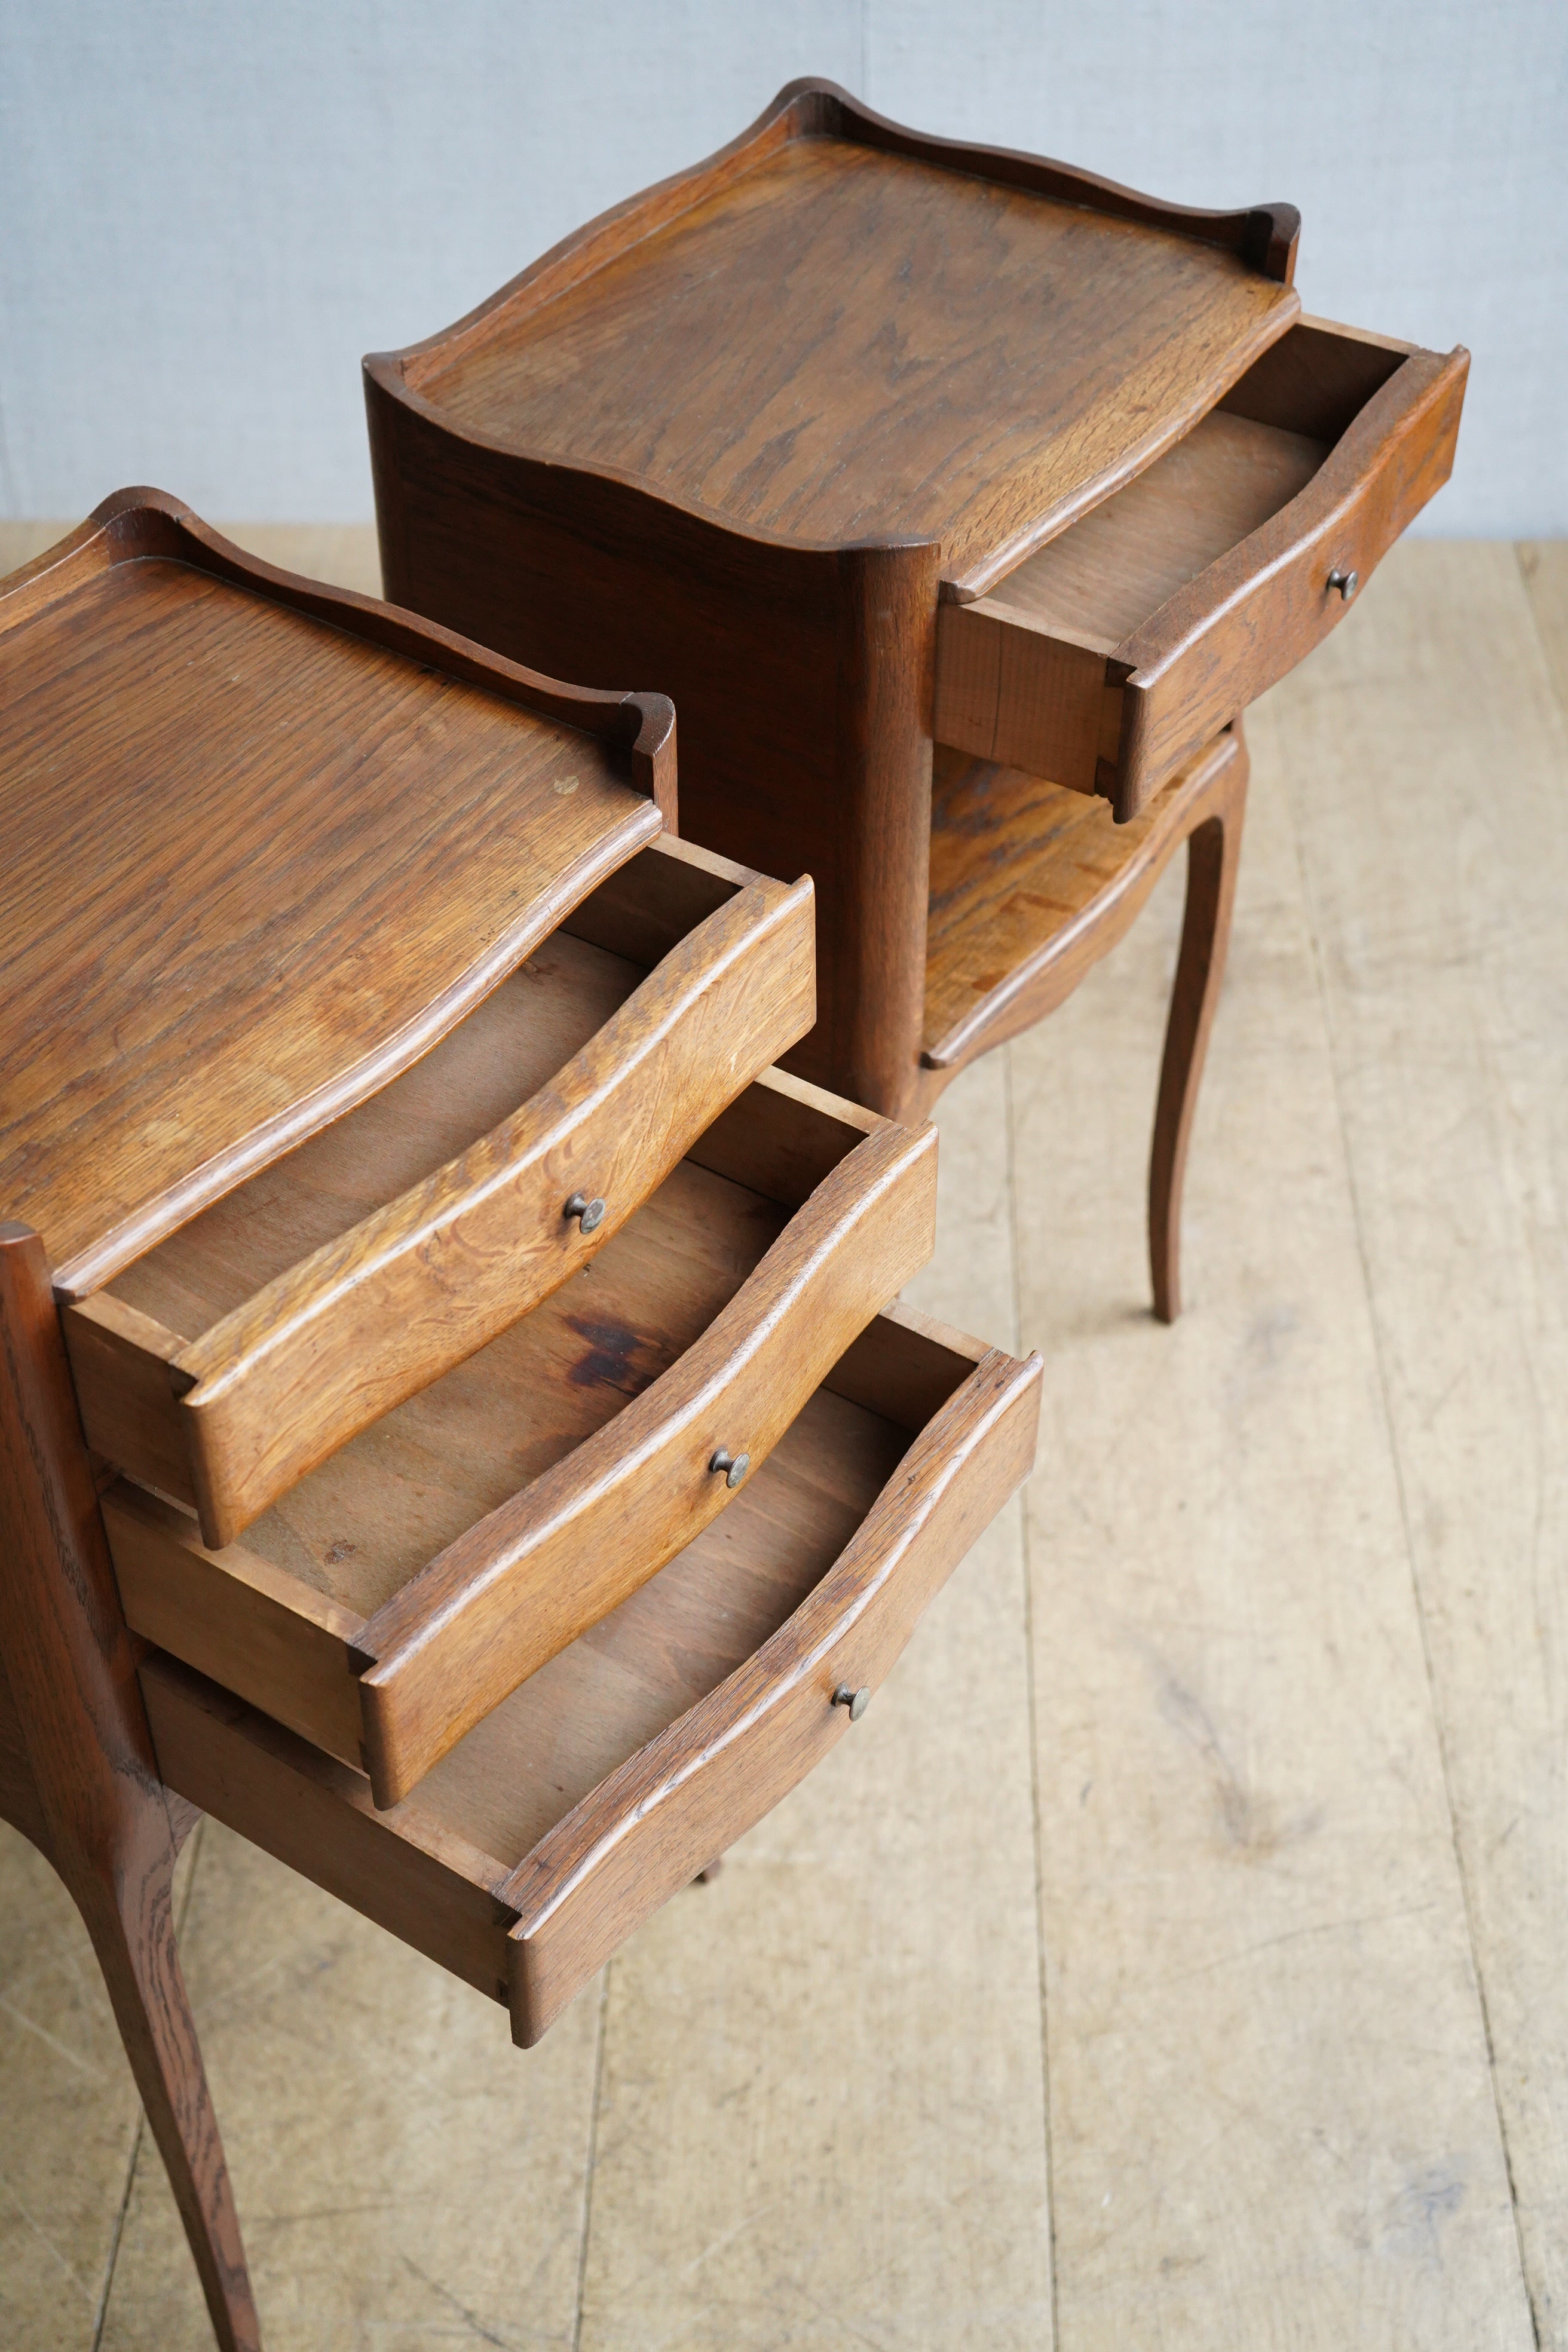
{"type": "Point", "coordinates": [102, 1816]}
{"type": "Point", "coordinates": [1213, 850]}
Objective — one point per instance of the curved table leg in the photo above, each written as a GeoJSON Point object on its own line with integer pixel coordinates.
{"type": "Point", "coordinates": [1213, 850]}
{"type": "Point", "coordinates": [96, 1807]}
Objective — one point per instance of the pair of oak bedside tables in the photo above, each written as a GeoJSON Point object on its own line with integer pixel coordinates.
{"type": "Point", "coordinates": [454, 1426]}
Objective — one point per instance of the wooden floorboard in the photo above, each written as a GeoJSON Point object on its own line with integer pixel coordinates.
{"type": "Point", "coordinates": [1161, 1907]}
{"type": "Point", "coordinates": [1272, 2119]}
{"type": "Point", "coordinates": [1426, 760]}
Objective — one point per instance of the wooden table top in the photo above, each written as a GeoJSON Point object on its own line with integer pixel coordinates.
{"type": "Point", "coordinates": [255, 864]}
{"type": "Point", "coordinates": [836, 333]}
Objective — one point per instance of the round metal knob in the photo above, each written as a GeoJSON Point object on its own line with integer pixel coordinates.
{"type": "Point", "coordinates": [735, 1467]}
{"type": "Point", "coordinates": [856, 1701]}
{"type": "Point", "coordinates": [590, 1213]}
{"type": "Point", "coordinates": [1347, 583]}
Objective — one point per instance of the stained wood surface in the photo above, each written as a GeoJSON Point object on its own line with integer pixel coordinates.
{"type": "Point", "coordinates": [644, 1832]}
{"type": "Point", "coordinates": [517, 1586]}
{"type": "Point", "coordinates": [1266, 2053]}
{"type": "Point", "coordinates": [252, 1626]}
{"type": "Point", "coordinates": [1245, 622]}
{"type": "Point", "coordinates": [77, 1716]}
{"type": "Point", "coordinates": [736, 1643]}
{"type": "Point", "coordinates": [508, 1046]}
{"type": "Point", "coordinates": [841, 342]}
{"type": "Point", "coordinates": [1106, 657]}
{"type": "Point", "coordinates": [426, 1477]}
{"type": "Point", "coordinates": [1030, 884]}
{"type": "Point", "coordinates": [584, 567]}
{"type": "Point", "coordinates": [663, 442]}
{"type": "Point", "coordinates": [1105, 576]}
{"type": "Point", "coordinates": [601, 1699]}
{"type": "Point", "coordinates": [359, 1324]}
{"type": "Point", "coordinates": [212, 802]}
{"type": "Point", "coordinates": [435, 1869]}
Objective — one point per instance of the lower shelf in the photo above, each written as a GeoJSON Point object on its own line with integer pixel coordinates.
{"type": "Point", "coordinates": [625, 1765]}
{"type": "Point", "coordinates": [1029, 884]}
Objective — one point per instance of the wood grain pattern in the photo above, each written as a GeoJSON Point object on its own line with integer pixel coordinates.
{"type": "Point", "coordinates": [424, 1885]}
{"type": "Point", "coordinates": [671, 440]}
{"type": "Point", "coordinates": [854, 338]}
{"type": "Point", "coordinates": [1031, 884]}
{"type": "Point", "coordinates": [107, 1832]}
{"type": "Point", "coordinates": [251, 1625]}
{"type": "Point", "coordinates": [586, 571]}
{"type": "Point", "coordinates": [364, 1320]}
{"type": "Point", "coordinates": [1214, 646]}
{"type": "Point", "coordinates": [1011, 688]}
{"type": "Point", "coordinates": [1120, 647]}
{"type": "Point", "coordinates": [832, 1502]}
{"type": "Point", "coordinates": [1220, 483]}
{"type": "Point", "coordinates": [648, 906]}
{"type": "Point", "coordinates": [123, 1341]}
{"type": "Point", "coordinates": [122, 1365]}
{"type": "Point", "coordinates": [783, 1138]}
{"type": "Point", "coordinates": [1317, 379]}
{"type": "Point", "coordinates": [267, 784]}
{"type": "Point", "coordinates": [904, 1366]}
{"type": "Point", "coordinates": [645, 1832]}
{"type": "Point", "coordinates": [359, 1529]}
{"type": "Point", "coordinates": [518, 1586]}
{"type": "Point", "coordinates": [274, 1619]}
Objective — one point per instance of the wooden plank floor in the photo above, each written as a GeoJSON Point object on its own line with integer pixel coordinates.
{"type": "Point", "coordinates": [1173, 1956]}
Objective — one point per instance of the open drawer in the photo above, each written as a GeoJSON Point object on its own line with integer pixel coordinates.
{"type": "Point", "coordinates": [225, 1364]}
{"type": "Point", "coordinates": [414, 1578]}
{"type": "Point", "coordinates": [1107, 658]}
{"type": "Point", "coordinates": [639, 1752]}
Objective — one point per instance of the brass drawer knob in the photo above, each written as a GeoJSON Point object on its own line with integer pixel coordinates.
{"type": "Point", "coordinates": [735, 1467]}
{"type": "Point", "coordinates": [1347, 583]}
{"type": "Point", "coordinates": [856, 1701]}
{"type": "Point", "coordinates": [590, 1213]}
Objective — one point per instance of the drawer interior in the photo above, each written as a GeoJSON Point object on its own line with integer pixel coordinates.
{"type": "Point", "coordinates": [516, 1773]}
{"type": "Point", "coordinates": [314, 1297]}
{"type": "Point", "coordinates": [437, 1869]}
{"type": "Point", "coordinates": [367, 1520]}
{"type": "Point", "coordinates": [1111, 572]}
{"type": "Point", "coordinates": [289, 1615]}
{"type": "Point", "coordinates": [504, 1050]}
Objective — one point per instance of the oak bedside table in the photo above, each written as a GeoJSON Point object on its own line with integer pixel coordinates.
{"type": "Point", "coordinates": [453, 1426]}
{"type": "Point", "coordinates": [952, 495]}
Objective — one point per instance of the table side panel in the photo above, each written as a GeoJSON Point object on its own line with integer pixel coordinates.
{"type": "Point", "coordinates": [800, 679]}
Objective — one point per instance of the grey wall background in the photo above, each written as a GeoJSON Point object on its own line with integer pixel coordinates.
{"type": "Point", "coordinates": [208, 211]}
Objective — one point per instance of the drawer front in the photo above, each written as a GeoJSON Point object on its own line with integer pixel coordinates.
{"type": "Point", "coordinates": [232, 1420]}
{"type": "Point", "coordinates": [1117, 713]}
{"type": "Point", "coordinates": [524, 1582]}
{"type": "Point", "coordinates": [1251, 616]}
{"type": "Point", "coordinates": [651, 1826]}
